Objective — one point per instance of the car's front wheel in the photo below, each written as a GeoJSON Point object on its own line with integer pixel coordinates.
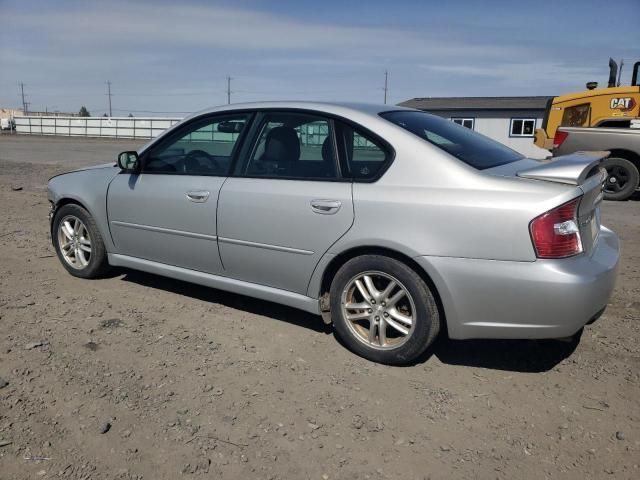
{"type": "Point", "coordinates": [78, 242]}
{"type": "Point", "coordinates": [383, 310]}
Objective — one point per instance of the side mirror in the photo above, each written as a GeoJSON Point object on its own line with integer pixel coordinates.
{"type": "Point", "coordinates": [128, 161]}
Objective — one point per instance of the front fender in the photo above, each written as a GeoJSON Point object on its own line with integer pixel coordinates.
{"type": "Point", "coordinates": [88, 188]}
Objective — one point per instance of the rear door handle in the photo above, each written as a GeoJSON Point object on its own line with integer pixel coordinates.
{"type": "Point", "coordinates": [199, 196]}
{"type": "Point", "coordinates": [325, 207]}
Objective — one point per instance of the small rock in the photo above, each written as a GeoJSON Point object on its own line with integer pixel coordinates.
{"type": "Point", "coordinates": [619, 435]}
{"type": "Point", "coordinates": [105, 427]}
{"type": "Point", "coordinates": [4, 443]}
{"type": "Point", "coordinates": [445, 448]}
{"type": "Point", "coordinates": [16, 188]}
{"type": "Point", "coordinates": [32, 345]}
{"type": "Point", "coordinates": [3, 383]}
{"type": "Point", "coordinates": [111, 323]}
{"type": "Point", "coordinates": [126, 434]}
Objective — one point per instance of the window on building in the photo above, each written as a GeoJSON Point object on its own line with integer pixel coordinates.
{"type": "Point", "coordinates": [522, 127]}
{"type": "Point", "coordinates": [465, 122]}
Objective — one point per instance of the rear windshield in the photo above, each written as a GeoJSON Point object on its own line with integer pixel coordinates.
{"type": "Point", "coordinates": [472, 148]}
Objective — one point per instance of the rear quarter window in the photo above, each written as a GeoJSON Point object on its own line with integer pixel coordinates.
{"type": "Point", "coordinates": [470, 147]}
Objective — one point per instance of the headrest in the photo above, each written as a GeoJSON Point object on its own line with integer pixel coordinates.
{"type": "Point", "coordinates": [282, 145]}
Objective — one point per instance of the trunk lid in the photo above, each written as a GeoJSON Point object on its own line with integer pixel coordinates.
{"type": "Point", "coordinates": [583, 171]}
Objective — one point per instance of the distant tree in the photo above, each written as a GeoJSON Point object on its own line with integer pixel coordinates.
{"type": "Point", "coordinates": [84, 112]}
{"type": "Point", "coordinates": [131, 115]}
{"type": "Point", "coordinates": [105, 115]}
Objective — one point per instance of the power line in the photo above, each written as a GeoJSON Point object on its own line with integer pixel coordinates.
{"type": "Point", "coordinates": [109, 94]}
{"type": "Point", "coordinates": [146, 111]}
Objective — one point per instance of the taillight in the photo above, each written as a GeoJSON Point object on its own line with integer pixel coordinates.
{"type": "Point", "coordinates": [555, 234]}
{"type": "Point", "coordinates": [559, 138]}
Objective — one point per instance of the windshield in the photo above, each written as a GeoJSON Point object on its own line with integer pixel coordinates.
{"type": "Point", "coordinates": [472, 148]}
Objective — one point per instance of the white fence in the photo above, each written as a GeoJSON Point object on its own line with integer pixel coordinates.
{"type": "Point", "coordinates": [113, 127]}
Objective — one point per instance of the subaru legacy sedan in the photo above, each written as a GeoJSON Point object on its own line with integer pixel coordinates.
{"type": "Point", "coordinates": [390, 223]}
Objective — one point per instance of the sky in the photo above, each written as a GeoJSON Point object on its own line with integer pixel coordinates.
{"type": "Point", "coordinates": [173, 57]}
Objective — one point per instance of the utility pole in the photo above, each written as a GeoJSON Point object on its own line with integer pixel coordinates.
{"type": "Point", "coordinates": [620, 71]}
{"type": "Point", "coordinates": [386, 85]}
{"type": "Point", "coordinates": [109, 94]}
{"type": "Point", "coordinates": [24, 105]}
{"type": "Point", "coordinates": [228, 90]}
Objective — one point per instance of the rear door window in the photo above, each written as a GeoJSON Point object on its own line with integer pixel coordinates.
{"type": "Point", "coordinates": [363, 157]}
{"type": "Point", "coordinates": [292, 145]}
{"type": "Point", "coordinates": [466, 145]}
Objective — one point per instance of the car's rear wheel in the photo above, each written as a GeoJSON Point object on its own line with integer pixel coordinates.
{"type": "Point", "coordinates": [78, 242]}
{"type": "Point", "coordinates": [383, 310]}
{"type": "Point", "coordinates": [622, 179]}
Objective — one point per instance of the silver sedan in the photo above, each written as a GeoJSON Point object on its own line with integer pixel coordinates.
{"type": "Point", "coordinates": [390, 223]}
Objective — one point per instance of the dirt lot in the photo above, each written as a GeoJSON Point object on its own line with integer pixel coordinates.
{"type": "Point", "coordinates": [199, 383]}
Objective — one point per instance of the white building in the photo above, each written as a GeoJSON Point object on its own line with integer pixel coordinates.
{"type": "Point", "coordinates": [509, 120]}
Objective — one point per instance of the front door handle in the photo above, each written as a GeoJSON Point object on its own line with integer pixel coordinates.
{"type": "Point", "coordinates": [325, 207]}
{"type": "Point", "coordinates": [199, 196]}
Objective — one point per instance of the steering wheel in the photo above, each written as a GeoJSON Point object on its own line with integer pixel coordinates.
{"type": "Point", "coordinates": [202, 155]}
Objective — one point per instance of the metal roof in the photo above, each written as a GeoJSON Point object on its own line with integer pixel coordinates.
{"type": "Point", "coordinates": [328, 107]}
{"type": "Point", "coordinates": [477, 103]}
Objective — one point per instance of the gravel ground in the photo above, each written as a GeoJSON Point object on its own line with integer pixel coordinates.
{"type": "Point", "coordinates": [136, 376]}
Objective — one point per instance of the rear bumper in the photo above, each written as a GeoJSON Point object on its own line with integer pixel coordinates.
{"type": "Point", "coordinates": [541, 299]}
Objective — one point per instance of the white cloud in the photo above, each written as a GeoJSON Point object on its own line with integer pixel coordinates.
{"type": "Point", "coordinates": [110, 24]}
{"type": "Point", "coordinates": [518, 73]}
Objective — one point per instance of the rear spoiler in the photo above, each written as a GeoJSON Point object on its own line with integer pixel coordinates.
{"type": "Point", "coordinates": [571, 169]}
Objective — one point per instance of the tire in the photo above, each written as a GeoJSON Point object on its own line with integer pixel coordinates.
{"type": "Point", "coordinates": [89, 260]}
{"type": "Point", "coordinates": [417, 304]}
{"type": "Point", "coordinates": [620, 170]}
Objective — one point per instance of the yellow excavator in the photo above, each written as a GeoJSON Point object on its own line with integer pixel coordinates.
{"type": "Point", "coordinates": [614, 106]}
{"type": "Point", "coordinates": [599, 119]}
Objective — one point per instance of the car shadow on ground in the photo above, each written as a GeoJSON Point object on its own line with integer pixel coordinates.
{"type": "Point", "coordinates": [527, 356]}
{"type": "Point", "coordinates": [509, 355]}
{"type": "Point", "coordinates": [232, 300]}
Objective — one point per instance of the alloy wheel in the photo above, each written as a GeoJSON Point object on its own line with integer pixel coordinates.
{"type": "Point", "coordinates": [74, 242]}
{"type": "Point", "coordinates": [378, 309]}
